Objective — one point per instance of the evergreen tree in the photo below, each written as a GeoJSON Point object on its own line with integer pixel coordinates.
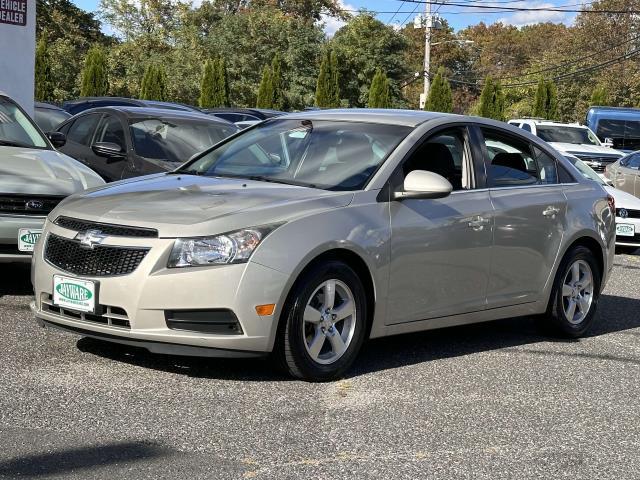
{"type": "Point", "coordinates": [276, 80]}
{"type": "Point", "coordinates": [440, 98]}
{"type": "Point", "coordinates": [551, 106]}
{"type": "Point", "coordinates": [323, 86]}
{"type": "Point", "coordinates": [222, 83]}
{"type": "Point", "coordinates": [491, 100]}
{"type": "Point", "coordinates": [379, 94]}
{"type": "Point", "coordinates": [95, 82]}
{"type": "Point", "coordinates": [540, 102]}
{"type": "Point", "coordinates": [600, 96]}
{"type": "Point", "coordinates": [265, 91]}
{"type": "Point", "coordinates": [208, 85]}
{"type": "Point", "coordinates": [334, 81]}
{"type": "Point", "coordinates": [154, 83]}
{"type": "Point", "coordinates": [43, 83]}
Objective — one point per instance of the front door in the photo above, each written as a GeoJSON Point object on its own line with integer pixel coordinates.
{"type": "Point", "coordinates": [110, 129]}
{"type": "Point", "coordinates": [440, 248]}
{"type": "Point", "coordinates": [529, 217]}
{"type": "Point", "coordinates": [626, 174]}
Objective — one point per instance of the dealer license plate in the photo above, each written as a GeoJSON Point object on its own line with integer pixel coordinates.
{"type": "Point", "coordinates": [625, 229]}
{"type": "Point", "coordinates": [74, 293]}
{"type": "Point", "coordinates": [27, 238]}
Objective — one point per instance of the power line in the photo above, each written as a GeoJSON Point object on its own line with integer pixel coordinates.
{"type": "Point", "coordinates": [394, 15]}
{"type": "Point", "coordinates": [525, 9]}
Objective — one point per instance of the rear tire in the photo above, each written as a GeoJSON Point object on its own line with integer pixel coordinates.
{"type": "Point", "coordinates": [575, 294]}
{"type": "Point", "coordinates": [324, 323]}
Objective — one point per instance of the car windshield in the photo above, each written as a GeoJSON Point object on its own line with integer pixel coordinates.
{"type": "Point", "coordinates": [176, 140]}
{"type": "Point", "coordinates": [577, 135]}
{"type": "Point", "coordinates": [325, 154]}
{"type": "Point", "coordinates": [586, 170]}
{"type": "Point", "coordinates": [16, 129]}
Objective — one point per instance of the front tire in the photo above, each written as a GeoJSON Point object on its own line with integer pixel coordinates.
{"type": "Point", "coordinates": [575, 293]}
{"type": "Point", "coordinates": [325, 323]}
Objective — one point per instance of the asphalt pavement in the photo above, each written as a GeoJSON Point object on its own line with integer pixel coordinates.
{"type": "Point", "coordinates": [489, 401]}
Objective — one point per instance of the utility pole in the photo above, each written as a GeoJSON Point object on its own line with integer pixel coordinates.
{"type": "Point", "coordinates": [427, 54]}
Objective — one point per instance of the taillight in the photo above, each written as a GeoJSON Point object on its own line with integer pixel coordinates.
{"type": "Point", "coordinates": [612, 203]}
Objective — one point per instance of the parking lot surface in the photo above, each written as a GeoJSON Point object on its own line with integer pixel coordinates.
{"type": "Point", "coordinates": [495, 400]}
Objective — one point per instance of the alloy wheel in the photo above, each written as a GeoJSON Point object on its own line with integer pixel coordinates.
{"type": "Point", "coordinates": [577, 292]}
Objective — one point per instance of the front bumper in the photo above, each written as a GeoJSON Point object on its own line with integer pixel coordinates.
{"type": "Point", "coordinates": [10, 225]}
{"type": "Point", "coordinates": [133, 307]}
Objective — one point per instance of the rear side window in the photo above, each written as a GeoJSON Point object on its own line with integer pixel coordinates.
{"type": "Point", "coordinates": [515, 162]}
{"type": "Point", "coordinates": [82, 129]}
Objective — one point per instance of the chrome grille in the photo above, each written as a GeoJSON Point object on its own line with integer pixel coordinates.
{"type": "Point", "coordinates": [630, 213]}
{"type": "Point", "coordinates": [106, 228]}
{"type": "Point", "coordinates": [22, 204]}
{"type": "Point", "coordinates": [99, 261]}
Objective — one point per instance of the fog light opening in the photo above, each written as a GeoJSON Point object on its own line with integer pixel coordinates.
{"type": "Point", "coordinates": [265, 310]}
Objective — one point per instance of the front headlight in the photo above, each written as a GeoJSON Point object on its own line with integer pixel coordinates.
{"type": "Point", "coordinates": [232, 247]}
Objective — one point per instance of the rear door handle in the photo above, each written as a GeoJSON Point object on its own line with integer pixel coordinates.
{"type": "Point", "coordinates": [550, 211]}
{"type": "Point", "coordinates": [478, 222]}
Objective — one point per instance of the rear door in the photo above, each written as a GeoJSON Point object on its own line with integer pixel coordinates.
{"type": "Point", "coordinates": [440, 248]}
{"type": "Point", "coordinates": [529, 217]}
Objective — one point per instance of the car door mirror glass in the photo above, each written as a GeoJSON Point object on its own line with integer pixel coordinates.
{"type": "Point", "coordinates": [424, 184]}
{"type": "Point", "coordinates": [108, 150]}
{"type": "Point", "coordinates": [57, 139]}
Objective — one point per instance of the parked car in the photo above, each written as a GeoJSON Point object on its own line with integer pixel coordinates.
{"type": "Point", "coordinates": [81, 104]}
{"type": "Point", "coordinates": [309, 233]}
{"type": "Point", "coordinates": [123, 142]}
{"type": "Point", "coordinates": [48, 116]}
{"type": "Point", "coordinates": [572, 139]}
{"type": "Point", "coordinates": [617, 126]}
{"type": "Point", "coordinates": [243, 115]}
{"type": "Point", "coordinates": [625, 174]}
{"type": "Point", "coordinates": [34, 178]}
{"type": "Point", "coordinates": [627, 209]}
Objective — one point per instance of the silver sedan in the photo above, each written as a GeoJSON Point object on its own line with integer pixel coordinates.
{"type": "Point", "coordinates": [305, 235]}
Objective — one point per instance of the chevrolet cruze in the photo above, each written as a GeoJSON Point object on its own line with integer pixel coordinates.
{"type": "Point", "coordinates": [305, 235]}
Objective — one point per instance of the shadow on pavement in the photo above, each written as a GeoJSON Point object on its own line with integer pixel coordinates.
{"type": "Point", "coordinates": [615, 314]}
{"type": "Point", "coordinates": [72, 460]}
{"type": "Point", "coordinates": [15, 279]}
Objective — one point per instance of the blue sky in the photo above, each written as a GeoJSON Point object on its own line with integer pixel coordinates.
{"type": "Point", "coordinates": [456, 16]}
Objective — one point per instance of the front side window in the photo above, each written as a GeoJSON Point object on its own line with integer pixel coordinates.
{"type": "Point", "coordinates": [16, 129]}
{"type": "Point", "coordinates": [110, 130]}
{"type": "Point", "coordinates": [82, 129]}
{"type": "Point", "coordinates": [444, 154]}
{"type": "Point", "coordinates": [515, 162]}
{"type": "Point", "coordinates": [176, 140]}
{"type": "Point", "coordinates": [326, 154]}
{"type": "Point", "coordinates": [526, 126]}
{"type": "Point", "coordinates": [633, 162]}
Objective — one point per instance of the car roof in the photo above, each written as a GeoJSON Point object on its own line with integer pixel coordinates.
{"type": "Point", "coordinates": [408, 118]}
{"type": "Point", "coordinates": [48, 106]}
{"type": "Point", "coordinates": [540, 121]}
{"type": "Point", "coordinates": [152, 112]}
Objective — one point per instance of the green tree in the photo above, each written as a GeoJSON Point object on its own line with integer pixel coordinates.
{"type": "Point", "coordinates": [265, 91]}
{"type": "Point", "coordinates": [154, 83]}
{"type": "Point", "coordinates": [551, 106]}
{"type": "Point", "coordinates": [334, 80]}
{"type": "Point", "coordinates": [440, 98]}
{"type": "Point", "coordinates": [540, 102]}
{"type": "Point", "coordinates": [328, 86]}
{"type": "Point", "coordinates": [43, 84]}
{"type": "Point", "coordinates": [95, 82]}
{"type": "Point", "coordinates": [222, 84]}
{"type": "Point", "coordinates": [379, 94]}
{"type": "Point", "coordinates": [208, 85]}
{"type": "Point", "coordinates": [600, 96]}
{"type": "Point", "coordinates": [276, 81]}
{"type": "Point", "coordinates": [491, 100]}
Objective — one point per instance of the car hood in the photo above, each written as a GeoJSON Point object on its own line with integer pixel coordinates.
{"type": "Point", "coordinates": [43, 172]}
{"type": "Point", "coordinates": [187, 205]}
{"type": "Point", "coordinates": [585, 149]}
{"type": "Point", "coordinates": [623, 199]}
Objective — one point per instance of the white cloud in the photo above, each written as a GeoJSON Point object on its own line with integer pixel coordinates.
{"type": "Point", "coordinates": [331, 24]}
{"type": "Point", "coordinates": [520, 19]}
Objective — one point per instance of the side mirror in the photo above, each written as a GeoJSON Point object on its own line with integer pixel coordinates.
{"type": "Point", "coordinates": [57, 139]}
{"type": "Point", "coordinates": [424, 184]}
{"type": "Point", "coordinates": [108, 150]}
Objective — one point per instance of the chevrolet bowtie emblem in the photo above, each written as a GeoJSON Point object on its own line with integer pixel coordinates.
{"type": "Point", "coordinates": [90, 238]}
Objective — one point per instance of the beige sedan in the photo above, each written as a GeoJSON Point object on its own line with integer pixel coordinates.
{"type": "Point", "coordinates": [625, 174]}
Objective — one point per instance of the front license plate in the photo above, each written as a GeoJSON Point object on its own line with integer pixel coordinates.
{"type": "Point", "coordinates": [74, 294]}
{"type": "Point", "coordinates": [625, 229]}
{"type": "Point", "coordinates": [27, 238]}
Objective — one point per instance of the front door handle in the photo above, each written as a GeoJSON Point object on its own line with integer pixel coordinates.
{"type": "Point", "coordinates": [550, 211]}
{"type": "Point", "coordinates": [478, 222]}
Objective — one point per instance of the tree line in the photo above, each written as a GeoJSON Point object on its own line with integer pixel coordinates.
{"type": "Point", "coordinates": [232, 52]}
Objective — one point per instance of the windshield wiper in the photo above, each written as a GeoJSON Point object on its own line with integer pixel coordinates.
{"type": "Point", "coordinates": [260, 178]}
{"type": "Point", "coordinates": [9, 143]}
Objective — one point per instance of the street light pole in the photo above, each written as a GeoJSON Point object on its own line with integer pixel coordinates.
{"type": "Point", "coordinates": [427, 55]}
